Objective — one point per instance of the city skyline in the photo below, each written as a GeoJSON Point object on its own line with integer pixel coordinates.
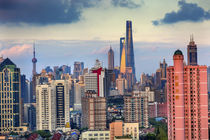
{"type": "Point", "coordinates": [84, 36]}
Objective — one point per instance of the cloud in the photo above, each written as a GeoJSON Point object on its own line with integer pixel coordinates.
{"type": "Point", "coordinates": [15, 51]}
{"type": "Point", "coordinates": [44, 12]}
{"type": "Point", "coordinates": [125, 3]}
{"type": "Point", "coordinates": [187, 12]}
{"type": "Point", "coordinates": [103, 50]}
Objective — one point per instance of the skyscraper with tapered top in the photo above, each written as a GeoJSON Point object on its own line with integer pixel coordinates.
{"type": "Point", "coordinates": [129, 46]}
{"type": "Point", "coordinates": [192, 52]}
{"type": "Point", "coordinates": [111, 59]}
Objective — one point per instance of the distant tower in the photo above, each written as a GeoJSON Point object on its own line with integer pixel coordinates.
{"type": "Point", "coordinates": [192, 52]}
{"type": "Point", "coordinates": [111, 59]}
{"type": "Point", "coordinates": [34, 60]}
{"type": "Point", "coordinates": [129, 46]}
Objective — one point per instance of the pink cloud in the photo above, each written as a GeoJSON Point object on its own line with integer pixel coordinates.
{"type": "Point", "coordinates": [15, 51]}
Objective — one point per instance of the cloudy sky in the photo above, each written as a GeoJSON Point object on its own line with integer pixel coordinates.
{"type": "Point", "coordinates": [82, 30]}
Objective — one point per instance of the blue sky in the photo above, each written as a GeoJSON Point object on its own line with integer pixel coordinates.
{"type": "Point", "coordinates": [82, 30]}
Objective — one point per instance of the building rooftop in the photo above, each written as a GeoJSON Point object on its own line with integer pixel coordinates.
{"type": "Point", "coordinates": [178, 52]}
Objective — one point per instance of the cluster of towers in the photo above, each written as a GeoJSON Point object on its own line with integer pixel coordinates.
{"type": "Point", "coordinates": [127, 63]}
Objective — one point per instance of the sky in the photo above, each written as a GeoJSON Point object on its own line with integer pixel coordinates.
{"type": "Point", "coordinates": [65, 31]}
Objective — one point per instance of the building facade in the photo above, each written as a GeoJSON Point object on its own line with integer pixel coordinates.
{"type": "Point", "coordinates": [187, 100]}
{"type": "Point", "coordinates": [136, 109]}
{"type": "Point", "coordinates": [131, 129]}
{"type": "Point", "coordinates": [192, 53]}
{"type": "Point", "coordinates": [45, 107]}
{"type": "Point", "coordinates": [93, 111]}
{"type": "Point", "coordinates": [111, 59]}
{"type": "Point", "coordinates": [116, 129]}
{"type": "Point", "coordinates": [10, 96]}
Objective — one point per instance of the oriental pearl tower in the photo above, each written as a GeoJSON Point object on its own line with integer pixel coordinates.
{"type": "Point", "coordinates": [34, 60]}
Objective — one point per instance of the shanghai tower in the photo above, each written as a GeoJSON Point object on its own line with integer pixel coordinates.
{"type": "Point", "coordinates": [129, 46]}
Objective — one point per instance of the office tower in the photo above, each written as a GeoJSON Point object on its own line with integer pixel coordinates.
{"type": "Point", "coordinates": [123, 58]}
{"type": "Point", "coordinates": [30, 115]}
{"type": "Point", "coordinates": [45, 107]}
{"type": "Point", "coordinates": [61, 88]}
{"type": "Point", "coordinates": [187, 100]}
{"type": "Point", "coordinates": [111, 59]}
{"type": "Point", "coordinates": [97, 80]}
{"type": "Point", "coordinates": [121, 84]}
{"type": "Point", "coordinates": [66, 69]}
{"type": "Point", "coordinates": [192, 52]}
{"type": "Point", "coordinates": [79, 89]}
{"type": "Point", "coordinates": [93, 111]}
{"type": "Point", "coordinates": [78, 69]}
{"type": "Point", "coordinates": [129, 46]}
{"type": "Point", "coordinates": [91, 82]}
{"type": "Point", "coordinates": [131, 129]}
{"type": "Point", "coordinates": [122, 42]}
{"type": "Point", "coordinates": [24, 89]}
{"type": "Point", "coordinates": [10, 93]}
{"type": "Point", "coordinates": [48, 69]}
{"type": "Point", "coordinates": [136, 109]}
{"type": "Point", "coordinates": [34, 61]}
{"type": "Point", "coordinates": [116, 129]}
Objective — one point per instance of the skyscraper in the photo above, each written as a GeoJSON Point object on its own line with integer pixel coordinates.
{"type": "Point", "coordinates": [111, 59]}
{"type": "Point", "coordinates": [122, 42]}
{"type": "Point", "coordinates": [192, 52]}
{"type": "Point", "coordinates": [45, 107]}
{"type": "Point", "coordinates": [187, 100]}
{"type": "Point", "coordinates": [62, 102]}
{"type": "Point", "coordinates": [10, 96]}
{"type": "Point", "coordinates": [129, 46]}
{"type": "Point", "coordinates": [78, 69]}
{"type": "Point", "coordinates": [123, 58]}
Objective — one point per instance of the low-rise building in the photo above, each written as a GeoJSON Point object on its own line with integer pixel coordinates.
{"type": "Point", "coordinates": [131, 129]}
{"type": "Point", "coordinates": [95, 135]}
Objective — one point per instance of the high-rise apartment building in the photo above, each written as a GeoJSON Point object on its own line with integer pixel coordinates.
{"type": "Point", "coordinates": [79, 91]}
{"type": "Point", "coordinates": [187, 100]}
{"type": "Point", "coordinates": [93, 111]}
{"type": "Point", "coordinates": [192, 52]}
{"type": "Point", "coordinates": [111, 59]}
{"type": "Point", "coordinates": [136, 109]}
{"type": "Point", "coordinates": [208, 76]}
{"type": "Point", "coordinates": [45, 107]}
{"type": "Point", "coordinates": [10, 96]}
{"type": "Point", "coordinates": [52, 105]}
{"type": "Point", "coordinates": [61, 88]}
